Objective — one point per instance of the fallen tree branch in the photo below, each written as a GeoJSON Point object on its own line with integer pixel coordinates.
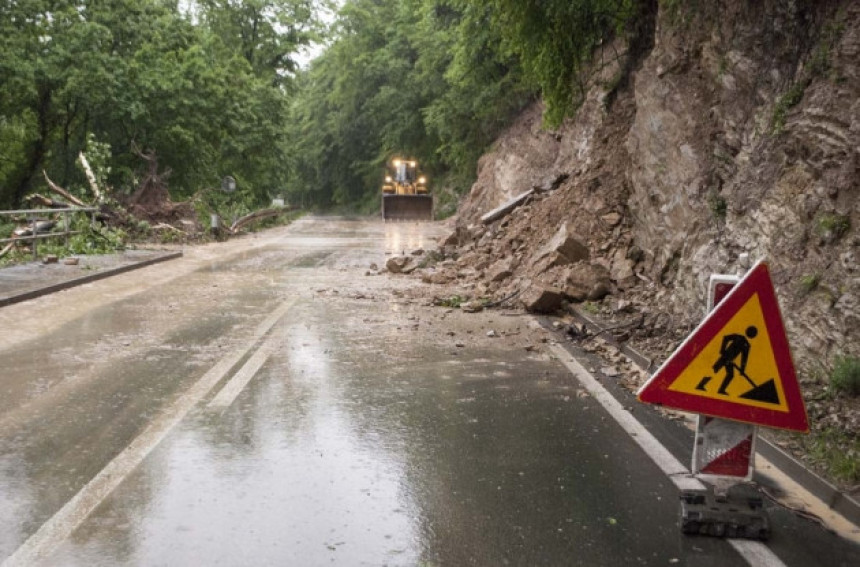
{"type": "Point", "coordinates": [46, 201]}
{"type": "Point", "coordinates": [62, 192]}
{"type": "Point", "coordinates": [503, 300]}
{"type": "Point", "coordinates": [506, 208]}
{"type": "Point", "coordinates": [6, 249]}
{"type": "Point", "coordinates": [635, 323]}
{"type": "Point", "coordinates": [91, 178]}
{"type": "Point", "coordinates": [261, 214]}
{"type": "Point", "coordinates": [164, 225]}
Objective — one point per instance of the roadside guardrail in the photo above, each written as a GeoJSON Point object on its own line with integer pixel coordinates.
{"type": "Point", "coordinates": [33, 215]}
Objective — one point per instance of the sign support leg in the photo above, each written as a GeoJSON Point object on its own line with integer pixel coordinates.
{"type": "Point", "coordinates": [723, 458]}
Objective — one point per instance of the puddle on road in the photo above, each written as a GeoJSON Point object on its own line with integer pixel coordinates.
{"type": "Point", "coordinates": [342, 453]}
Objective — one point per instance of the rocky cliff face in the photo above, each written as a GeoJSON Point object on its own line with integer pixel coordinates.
{"type": "Point", "coordinates": [737, 132]}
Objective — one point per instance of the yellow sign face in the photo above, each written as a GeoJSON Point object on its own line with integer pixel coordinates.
{"type": "Point", "coordinates": [737, 365]}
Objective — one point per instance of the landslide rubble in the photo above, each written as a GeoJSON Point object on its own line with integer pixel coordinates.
{"type": "Point", "coordinates": [737, 132]}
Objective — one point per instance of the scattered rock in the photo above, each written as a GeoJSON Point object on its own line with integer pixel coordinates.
{"type": "Point", "coordinates": [598, 292]}
{"type": "Point", "coordinates": [71, 261]}
{"type": "Point", "coordinates": [542, 299]}
{"type": "Point", "coordinates": [576, 294]}
{"type": "Point", "coordinates": [635, 254]}
{"type": "Point", "coordinates": [610, 371]}
{"type": "Point", "coordinates": [567, 248]}
{"type": "Point", "coordinates": [500, 273]}
{"type": "Point", "coordinates": [472, 307]}
{"type": "Point", "coordinates": [397, 264]}
{"type": "Point", "coordinates": [612, 219]}
{"type": "Point", "coordinates": [50, 259]}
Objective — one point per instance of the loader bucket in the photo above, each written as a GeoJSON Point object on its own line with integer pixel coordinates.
{"type": "Point", "coordinates": [407, 207]}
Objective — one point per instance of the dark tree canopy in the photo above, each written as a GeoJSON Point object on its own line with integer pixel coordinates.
{"type": "Point", "coordinates": [214, 88]}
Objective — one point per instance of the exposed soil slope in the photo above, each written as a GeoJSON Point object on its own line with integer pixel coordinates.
{"type": "Point", "coordinates": [738, 132]}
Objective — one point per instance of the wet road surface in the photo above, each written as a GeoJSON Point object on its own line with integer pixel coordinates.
{"type": "Point", "coordinates": [270, 404]}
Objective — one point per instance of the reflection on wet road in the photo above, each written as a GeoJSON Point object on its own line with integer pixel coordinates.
{"type": "Point", "coordinates": [349, 430]}
{"type": "Point", "coordinates": [352, 445]}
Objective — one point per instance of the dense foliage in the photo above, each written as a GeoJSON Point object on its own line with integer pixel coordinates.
{"type": "Point", "coordinates": [205, 88]}
{"type": "Point", "coordinates": [212, 87]}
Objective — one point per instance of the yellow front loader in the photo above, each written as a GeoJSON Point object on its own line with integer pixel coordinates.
{"type": "Point", "coordinates": [404, 193]}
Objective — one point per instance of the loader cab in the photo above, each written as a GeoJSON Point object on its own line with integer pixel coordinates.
{"type": "Point", "coordinates": [404, 192]}
{"type": "Point", "coordinates": [404, 171]}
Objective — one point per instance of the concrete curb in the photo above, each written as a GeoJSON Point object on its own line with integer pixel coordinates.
{"type": "Point", "coordinates": [834, 498]}
{"type": "Point", "coordinates": [53, 288]}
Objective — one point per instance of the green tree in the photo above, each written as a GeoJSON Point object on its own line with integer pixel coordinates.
{"type": "Point", "coordinates": [145, 71]}
{"type": "Point", "coordinates": [422, 78]}
{"type": "Point", "coordinates": [555, 40]}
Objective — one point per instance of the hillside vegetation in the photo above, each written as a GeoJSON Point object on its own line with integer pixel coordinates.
{"type": "Point", "coordinates": [212, 87]}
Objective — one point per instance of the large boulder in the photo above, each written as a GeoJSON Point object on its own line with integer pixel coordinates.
{"type": "Point", "coordinates": [539, 298]}
{"type": "Point", "coordinates": [564, 248]}
{"type": "Point", "coordinates": [586, 281]}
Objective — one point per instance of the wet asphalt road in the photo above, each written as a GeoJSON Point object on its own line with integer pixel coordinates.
{"type": "Point", "coordinates": [270, 404]}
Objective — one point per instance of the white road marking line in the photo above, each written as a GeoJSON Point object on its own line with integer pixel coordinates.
{"type": "Point", "coordinates": [237, 383]}
{"type": "Point", "coordinates": [754, 552]}
{"type": "Point", "coordinates": [67, 519]}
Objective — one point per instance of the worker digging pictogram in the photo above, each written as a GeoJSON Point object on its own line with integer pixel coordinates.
{"type": "Point", "coordinates": [736, 364]}
{"type": "Point", "coordinates": [734, 355]}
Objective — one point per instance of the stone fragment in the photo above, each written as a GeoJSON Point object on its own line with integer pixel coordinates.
{"type": "Point", "coordinates": [612, 219]}
{"type": "Point", "coordinates": [622, 269]}
{"type": "Point", "coordinates": [396, 264]}
{"type": "Point", "coordinates": [71, 261]}
{"type": "Point", "coordinates": [635, 254]}
{"type": "Point", "coordinates": [542, 299]}
{"type": "Point", "coordinates": [50, 259]}
{"type": "Point", "coordinates": [582, 277]}
{"type": "Point", "coordinates": [567, 245]}
{"type": "Point", "coordinates": [500, 271]}
{"type": "Point", "coordinates": [438, 278]}
{"type": "Point", "coordinates": [598, 292]}
{"type": "Point", "coordinates": [472, 307]}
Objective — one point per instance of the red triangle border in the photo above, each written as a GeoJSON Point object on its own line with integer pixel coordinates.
{"type": "Point", "coordinates": [656, 390]}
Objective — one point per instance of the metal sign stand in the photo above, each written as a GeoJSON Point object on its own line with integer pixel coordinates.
{"type": "Point", "coordinates": [724, 458]}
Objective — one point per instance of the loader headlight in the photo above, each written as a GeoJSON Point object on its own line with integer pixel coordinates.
{"type": "Point", "coordinates": [397, 163]}
{"type": "Point", "coordinates": [411, 164]}
{"type": "Point", "coordinates": [388, 179]}
{"type": "Point", "coordinates": [422, 180]}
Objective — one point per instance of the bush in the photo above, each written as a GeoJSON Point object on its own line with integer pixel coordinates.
{"type": "Point", "coordinates": [845, 377]}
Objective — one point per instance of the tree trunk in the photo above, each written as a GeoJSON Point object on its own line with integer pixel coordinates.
{"type": "Point", "coordinates": [62, 192]}
{"type": "Point", "coordinates": [37, 152]}
{"type": "Point", "coordinates": [91, 178]}
{"type": "Point", "coordinates": [261, 214]}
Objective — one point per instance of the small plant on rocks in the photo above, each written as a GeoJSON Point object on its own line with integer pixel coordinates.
{"type": "Point", "coordinates": [809, 283]}
{"type": "Point", "coordinates": [831, 226]}
{"type": "Point", "coordinates": [845, 376]}
{"type": "Point", "coordinates": [454, 301]}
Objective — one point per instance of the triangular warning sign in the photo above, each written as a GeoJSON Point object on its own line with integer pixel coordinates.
{"type": "Point", "coordinates": [736, 364]}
